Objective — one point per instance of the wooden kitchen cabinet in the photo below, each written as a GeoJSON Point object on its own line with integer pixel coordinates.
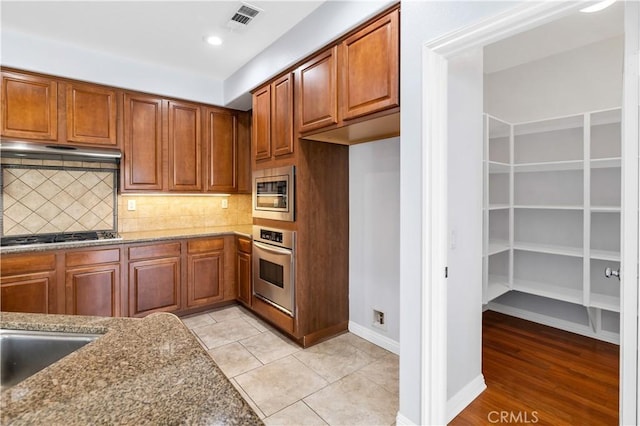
{"type": "Point", "coordinates": [142, 162]}
{"type": "Point", "coordinates": [244, 153]}
{"type": "Point", "coordinates": [317, 91]}
{"type": "Point", "coordinates": [91, 114]}
{"type": "Point", "coordinates": [369, 68]}
{"type": "Point", "coordinates": [243, 270]}
{"type": "Point", "coordinates": [154, 278]}
{"type": "Point", "coordinates": [185, 147]}
{"type": "Point", "coordinates": [29, 284]}
{"type": "Point", "coordinates": [92, 280]}
{"type": "Point", "coordinates": [221, 147]}
{"type": "Point", "coordinates": [205, 271]}
{"type": "Point", "coordinates": [273, 119]}
{"type": "Point", "coordinates": [29, 107]}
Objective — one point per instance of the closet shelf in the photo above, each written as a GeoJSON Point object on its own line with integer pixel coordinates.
{"type": "Point", "coordinates": [498, 206]}
{"type": "Point", "coordinates": [604, 163]}
{"type": "Point", "coordinates": [605, 209]}
{"type": "Point", "coordinates": [496, 167]}
{"type": "Point", "coordinates": [603, 301]}
{"type": "Point", "coordinates": [498, 285]}
{"type": "Point", "coordinates": [548, 207]}
{"type": "Point", "coordinates": [549, 166]}
{"type": "Point", "coordinates": [552, 291]}
{"type": "Point", "coordinates": [497, 246]}
{"type": "Point", "coordinates": [613, 256]}
{"type": "Point", "coordinates": [549, 249]}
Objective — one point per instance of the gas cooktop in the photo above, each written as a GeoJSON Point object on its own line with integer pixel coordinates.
{"type": "Point", "coordinates": [21, 240]}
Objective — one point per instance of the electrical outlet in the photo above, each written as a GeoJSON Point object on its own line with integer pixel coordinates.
{"type": "Point", "coordinates": [131, 205]}
{"type": "Point", "coordinates": [225, 203]}
{"type": "Point", "coordinates": [378, 319]}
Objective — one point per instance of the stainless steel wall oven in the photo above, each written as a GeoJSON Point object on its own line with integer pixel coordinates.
{"type": "Point", "coordinates": [273, 267]}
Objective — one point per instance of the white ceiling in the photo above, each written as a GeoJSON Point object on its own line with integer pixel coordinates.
{"type": "Point", "coordinates": [166, 33]}
{"type": "Point", "coordinates": [571, 32]}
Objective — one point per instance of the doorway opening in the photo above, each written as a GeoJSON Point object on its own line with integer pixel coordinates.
{"type": "Point", "coordinates": [556, 211]}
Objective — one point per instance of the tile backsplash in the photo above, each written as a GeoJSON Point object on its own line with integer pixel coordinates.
{"type": "Point", "coordinates": [159, 212]}
{"type": "Point", "coordinates": [50, 196]}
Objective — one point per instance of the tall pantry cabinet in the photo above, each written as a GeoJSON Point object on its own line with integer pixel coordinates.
{"type": "Point", "coordinates": [552, 205]}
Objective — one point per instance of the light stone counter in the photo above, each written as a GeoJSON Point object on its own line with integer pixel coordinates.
{"type": "Point", "coordinates": [141, 371]}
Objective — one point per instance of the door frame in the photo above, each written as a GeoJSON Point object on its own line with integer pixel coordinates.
{"type": "Point", "coordinates": [435, 56]}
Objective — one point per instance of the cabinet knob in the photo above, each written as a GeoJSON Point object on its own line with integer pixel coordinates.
{"type": "Point", "coordinates": [608, 272]}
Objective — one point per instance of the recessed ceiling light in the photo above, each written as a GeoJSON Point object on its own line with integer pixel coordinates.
{"type": "Point", "coordinates": [213, 40]}
{"type": "Point", "coordinates": [598, 6]}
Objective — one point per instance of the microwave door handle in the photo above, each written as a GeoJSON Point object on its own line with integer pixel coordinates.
{"type": "Point", "coordinates": [272, 249]}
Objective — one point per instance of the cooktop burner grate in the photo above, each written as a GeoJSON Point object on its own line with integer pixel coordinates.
{"type": "Point", "coordinates": [21, 240]}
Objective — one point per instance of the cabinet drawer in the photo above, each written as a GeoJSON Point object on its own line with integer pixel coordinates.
{"type": "Point", "coordinates": [12, 265]}
{"type": "Point", "coordinates": [153, 251]}
{"type": "Point", "coordinates": [244, 245]}
{"type": "Point", "coordinates": [200, 246]}
{"type": "Point", "coordinates": [93, 257]}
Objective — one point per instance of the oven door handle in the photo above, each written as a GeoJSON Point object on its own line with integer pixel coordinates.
{"type": "Point", "coordinates": [272, 249]}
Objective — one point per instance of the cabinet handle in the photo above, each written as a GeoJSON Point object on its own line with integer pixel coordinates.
{"type": "Point", "coordinates": [608, 272]}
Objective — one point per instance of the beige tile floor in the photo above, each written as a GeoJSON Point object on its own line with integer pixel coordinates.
{"type": "Point", "coordinates": [342, 381]}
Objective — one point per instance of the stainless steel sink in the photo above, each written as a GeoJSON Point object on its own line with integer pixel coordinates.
{"type": "Point", "coordinates": [24, 353]}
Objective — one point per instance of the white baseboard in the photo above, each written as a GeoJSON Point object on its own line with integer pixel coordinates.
{"type": "Point", "coordinates": [554, 322]}
{"type": "Point", "coordinates": [375, 338]}
{"type": "Point", "coordinates": [403, 421]}
{"type": "Point", "coordinates": [464, 397]}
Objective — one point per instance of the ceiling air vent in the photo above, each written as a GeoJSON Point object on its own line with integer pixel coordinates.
{"type": "Point", "coordinates": [243, 16]}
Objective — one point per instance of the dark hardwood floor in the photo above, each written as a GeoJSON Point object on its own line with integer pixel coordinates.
{"type": "Point", "coordinates": [545, 376]}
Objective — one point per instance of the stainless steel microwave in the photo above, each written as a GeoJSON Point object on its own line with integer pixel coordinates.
{"type": "Point", "coordinates": [273, 193]}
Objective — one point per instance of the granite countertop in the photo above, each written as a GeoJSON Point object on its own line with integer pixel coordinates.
{"type": "Point", "coordinates": [137, 237]}
{"type": "Point", "coordinates": [141, 371]}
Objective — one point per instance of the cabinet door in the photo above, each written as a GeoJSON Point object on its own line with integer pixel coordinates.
{"type": "Point", "coordinates": [243, 274]}
{"type": "Point", "coordinates": [205, 278]}
{"type": "Point", "coordinates": [32, 292]}
{"type": "Point", "coordinates": [185, 147]}
{"type": "Point", "coordinates": [244, 153]}
{"type": "Point", "coordinates": [282, 115]}
{"type": "Point", "coordinates": [91, 115]}
{"type": "Point", "coordinates": [369, 68]}
{"type": "Point", "coordinates": [221, 149]}
{"type": "Point", "coordinates": [142, 161]}
{"type": "Point", "coordinates": [317, 97]}
{"type": "Point", "coordinates": [29, 107]}
{"type": "Point", "coordinates": [154, 286]}
{"type": "Point", "coordinates": [93, 290]}
{"type": "Point", "coordinates": [261, 131]}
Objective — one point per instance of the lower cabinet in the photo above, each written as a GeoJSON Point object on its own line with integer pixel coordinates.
{"type": "Point", "coordinates": [29, 284]}
{"type": "Point", "coordinates": [243, 270]}
{"type": "Point", "coordinates": [205, 271]}
{"type": "Point", "coordinates": [92, 282]}
{"type": "Point", "coordinates": [154, 278]}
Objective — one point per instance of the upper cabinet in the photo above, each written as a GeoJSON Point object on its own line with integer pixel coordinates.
{"type": "Point", "coordinates": [44, 109]}
{"type": "Point", "coordinates": [91, 114]}
{"type": "Point", "coordinates": [142, 162]}
{"type": "Point", "coordinates": [184, 147]}
{"type": "Point", "coordinates": [29, 107]}
{"type": "Point", "coordinates": [317, 91]}
{"type": "Point", "coordinates": [221, 147]}
{"type": "Point", "coordinates": [347, 93]}
{"type": "Point", "coordinates": [273, 119]}
{"type": "Point", "coordinates": [369, 65]}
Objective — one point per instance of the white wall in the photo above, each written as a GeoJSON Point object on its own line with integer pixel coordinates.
{"type": "Point", "coordinates": [38, 54]}
{"type": "Point", "coordinates": [326, 23]}
{"type": "Point", "coordinates": [420, 23]}
{"type": "Point", "coordinates": [374, 242]}
{"type": "Point", "coordinates": [464, 285]}
{"type": "Point", "coordinates": [573, 82]}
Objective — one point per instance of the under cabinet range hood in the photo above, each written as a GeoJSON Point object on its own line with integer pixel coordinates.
{"type": "Point", "coordinates": [19, 149]}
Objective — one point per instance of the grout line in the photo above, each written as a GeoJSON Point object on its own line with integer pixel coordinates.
{"type": "Point", "coordinates": [244, 392]}
{"type": "Point", "coordinates": [317, 414]}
